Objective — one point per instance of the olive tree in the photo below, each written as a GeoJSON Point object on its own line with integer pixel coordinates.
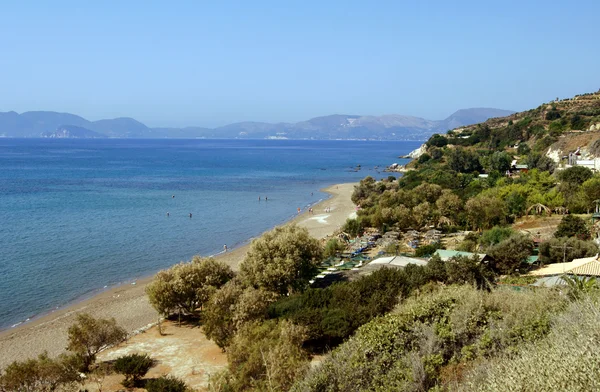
{"type": "Point", "coordinates": [89, 335]}
{"type": "Point", "coordinates": [282, 260]}
{"type": "Point", "coordinates": [43, 374]}
{"type": "Point", "coordinates": [187, 286]}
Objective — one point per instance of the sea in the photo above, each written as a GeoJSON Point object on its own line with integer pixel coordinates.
{"type": "Point", "coordinates": [78, 216]}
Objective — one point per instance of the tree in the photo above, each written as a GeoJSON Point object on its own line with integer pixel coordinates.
{"type": "Point", "coordinates": [485, 211]}
{"type": "Point", "coordinates": [166, 384]}
{"type": "Point", "coordinates": [133, 367]}
{"type": "Point", "coordinates": [499, 161]}
{"type": "Point", "coordinates": [448, 204]}
{"type": "Point", "coordinates": [333, 247]}
{"type": "Point", "coordinates": [591, 190]}
{"type": "Point", "coordinates": [510, 253]}
{"type": "Point", "coordinates": [89, 335]}
{"type": "Point", "coordinates": [495, 235]}
{"type": "Point", "coordinates": [282, 260]}
{"type": "Point", "coordinates": [218, 318]}
{"type": "Point", "coordinates": [187, 286]}
{"type": "Point", "coordinates": [572, 226]}
{"type": "Point", "coordinates": [437, 141]}
{"type": "Point", "coordinates": [267, 356]}
{"type": "Point", "coordinates": [558, 249]}
{"type": "Point", "coordinates": [42, 374]}
{"type": "Point", "coordinates": [469, 270]}
{"type": "Point", "coordinates": [575, 175]}
{"type": "Point", "coordinates": [463, 161]}
{"type": "Point", "coordinates": [353, 227]}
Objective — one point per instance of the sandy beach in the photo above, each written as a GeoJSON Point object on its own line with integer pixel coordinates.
{"type": "Point", "coordinates": [128, 303]}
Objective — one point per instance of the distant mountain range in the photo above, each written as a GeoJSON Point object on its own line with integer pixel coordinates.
{"type": "Point", "coordinates": [387, 127]}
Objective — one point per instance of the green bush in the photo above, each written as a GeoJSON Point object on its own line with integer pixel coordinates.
{"type": "Point", "coordinates": [133, 367]}
{"type": "Point", "coordinates": [333, 247]}
{"type": "Point", "coordinates": [427, 250]}
{"type": "Point", "coordinates": [408, 349]}
{"type": "Point", "coordinates": [166, 384]}
{"type": "Point", "coordinates": [565, 360]}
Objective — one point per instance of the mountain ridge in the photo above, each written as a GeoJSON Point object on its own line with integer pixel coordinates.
{"type": "Point", "coordinates": [335, 126]}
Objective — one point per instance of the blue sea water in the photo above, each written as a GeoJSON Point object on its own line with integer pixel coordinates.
{"type": "Point", "coordinates": [79, 215]}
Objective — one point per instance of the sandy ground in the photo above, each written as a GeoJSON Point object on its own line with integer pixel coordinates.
{"type": "Point", "coordinates": [128, 304]}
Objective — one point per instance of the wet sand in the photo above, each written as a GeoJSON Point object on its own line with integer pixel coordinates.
{"type": "Point", "coordinates": [128, 303]}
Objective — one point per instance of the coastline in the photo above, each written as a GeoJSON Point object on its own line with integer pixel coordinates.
{"type": "Point", "coordinates": [128, 304]}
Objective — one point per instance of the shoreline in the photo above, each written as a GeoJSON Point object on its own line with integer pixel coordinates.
{"type": "Point", "coordinates": [127, 302]}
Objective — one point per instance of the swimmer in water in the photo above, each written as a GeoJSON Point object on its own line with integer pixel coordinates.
{"type": "Point", "coordinates": [167, 214]}
{"type": "Point", "coordinates": [190, 215]}
{"type": "Point", "coordinates": [172, 197]}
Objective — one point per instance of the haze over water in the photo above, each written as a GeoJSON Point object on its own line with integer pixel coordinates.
{"type": "Point", "coordinates": [79, 215]}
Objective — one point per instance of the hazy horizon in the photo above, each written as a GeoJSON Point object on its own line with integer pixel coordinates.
{"type": "Point", "coordinates": [209, 65]}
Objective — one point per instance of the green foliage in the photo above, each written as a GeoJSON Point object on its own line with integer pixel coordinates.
{"type": "Point", "coordinates": [42, 374]}
{"type": "Point", "coordinates": [409, 348]}
{"type": "Point", "coordinates": [539, 161]}
{"type": "Point", "coordinates": [552, 114]}
{"type": "Point", "coordinates": [427, 250]}
{"type": "Point", "coordinates": [572, 226]}
{"type": "Point", "coordinates": [551, 251]}
{"type": "Point", "coordinates": [437, 141]}
{"type": "Point", "coordinates": [518, 280]}
{"type": "Point", "coordinates": [353, 227]}
{"type": "Point", "coordinates": [333, 247]}
{"type": "Point", "coordinates": [509, 254]}
{"type": "Point", "coordinates": [484, 212]}
{"type": "Point", "coordinates": [231, 307]}
{"type": "Point", "coordinates": [578, 286]}
{"type": "Point", "coordinates": [166, 384]}
{"type": "Point", "coordinates": [333, 313]}
{"type": "Point", "coordinates": [89, 335]}
{"type": "Point", "coordinates": [575, 175]}
{"type": "Point", "coordinates": [187, 286]}
{"type": "Point", "coordinates": [523, 149]}
{"type": "Point", "coordinates": [495, 235]}
{"type": "Point", "coordinates": [265, 356]}
{"type": "Point", "coordinates": [469, 270]}
{"type": "Point", "coordinates": [463, 161]}
{"type": "Point", "coordinates": [133, 367]}
{"type": "Point", "coordinates": [283, 260]}
{"type": "Point", "coordinates": [565, 360]}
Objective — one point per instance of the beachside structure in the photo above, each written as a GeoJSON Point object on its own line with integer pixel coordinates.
{"type": "Point", "coordinates": [446, 255]}
{"type": "Point", "coordinates": [586, 266]}
{"type": "Point", "coordinates": [398, 261]}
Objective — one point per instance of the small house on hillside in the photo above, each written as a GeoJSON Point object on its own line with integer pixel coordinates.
{"type": "Point", "coordinates": [446, 255]}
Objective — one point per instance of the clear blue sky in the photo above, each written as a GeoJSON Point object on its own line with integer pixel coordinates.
{"type": "Point", "coordinates": [210, 63]}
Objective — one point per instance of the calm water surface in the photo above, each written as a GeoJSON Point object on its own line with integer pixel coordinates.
{"type": "Point", "coordinates": [79, 215]}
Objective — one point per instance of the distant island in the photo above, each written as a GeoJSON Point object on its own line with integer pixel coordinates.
{"type": "Point", "coordinates": [345, 127]}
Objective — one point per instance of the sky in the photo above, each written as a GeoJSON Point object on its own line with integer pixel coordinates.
{"type": "Point", "coordinates": [210, 63]}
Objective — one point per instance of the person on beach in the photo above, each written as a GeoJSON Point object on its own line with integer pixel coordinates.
{"type": "Point", "coordinates": [298, 210]}
{"type": "Point", "coordinates": [225, 248]}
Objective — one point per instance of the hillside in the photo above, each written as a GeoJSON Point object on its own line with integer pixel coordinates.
{"type": "Point", "coordinates": [386, 127]}
{"type": "Point", "coordinates": [553, 129]}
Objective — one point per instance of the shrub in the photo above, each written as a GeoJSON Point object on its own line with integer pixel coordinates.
{"type": "Point", "coordinates": [166, 384]}
{"type": "Point", "coordinates": [133, 367]}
